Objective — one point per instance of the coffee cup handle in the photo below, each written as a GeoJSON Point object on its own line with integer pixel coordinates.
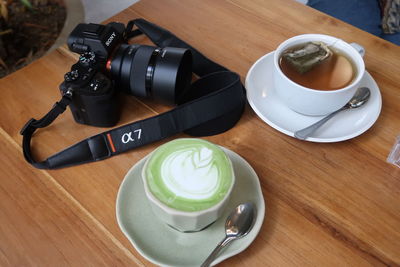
{"type": "Point", "coordinates": [359, 48]}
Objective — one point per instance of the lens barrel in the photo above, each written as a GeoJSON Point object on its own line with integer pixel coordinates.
{"type": "Point", "coordinates": [147, 71]}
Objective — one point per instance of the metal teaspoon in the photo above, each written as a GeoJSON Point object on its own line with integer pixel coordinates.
{"type": "Point", "coordinates": [360, 98]}
{"type": "Point", "coordinates": [237, 225]}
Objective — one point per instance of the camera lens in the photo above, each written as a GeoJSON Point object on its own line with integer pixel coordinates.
{"type": "Point", "coordinates": [147, 71]}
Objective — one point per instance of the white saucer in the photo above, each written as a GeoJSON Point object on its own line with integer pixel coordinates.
{"type": "Point", "coordinates": [347, 124]}
{"type": "Point", "coordinates": [165, 246]}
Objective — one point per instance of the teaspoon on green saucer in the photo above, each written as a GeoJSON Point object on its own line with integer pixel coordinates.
{"type": "Point", "coordinates": [237, 225]}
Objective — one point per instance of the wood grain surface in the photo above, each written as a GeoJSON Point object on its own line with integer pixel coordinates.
{"type": "Point", "coordinates": [332, 204]}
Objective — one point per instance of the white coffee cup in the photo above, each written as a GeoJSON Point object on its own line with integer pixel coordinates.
{"type": "Point", "coordinates": [314, 102]}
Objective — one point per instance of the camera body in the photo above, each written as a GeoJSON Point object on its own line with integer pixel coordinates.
{"type": "Point", "coordinates": [96, 38]}
{"type": "Point", "coordinates": [107, 65]}
{"type": "Point", "coordinates": [93, 94]}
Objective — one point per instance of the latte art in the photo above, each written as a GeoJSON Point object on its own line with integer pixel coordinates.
{"type": "Point", "coordinates": [189, 174]}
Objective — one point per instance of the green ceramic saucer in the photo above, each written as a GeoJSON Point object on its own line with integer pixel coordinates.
{"type": "Point", "coordinates": [164, 246]}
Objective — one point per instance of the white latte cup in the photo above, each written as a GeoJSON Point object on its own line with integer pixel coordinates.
{"type": "Point", "coordinates": [188, 183]}
{"type": "Point", "coordinates": [314, 102]}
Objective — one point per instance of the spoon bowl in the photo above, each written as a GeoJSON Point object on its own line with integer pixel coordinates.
{"type": "Point", "coordinates": [238, 224]}
{"type": "Point", "coordinates": [360, 97]}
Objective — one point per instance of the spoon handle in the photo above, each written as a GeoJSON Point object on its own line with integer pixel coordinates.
{"type": "Point", "coordinates": [216, 250]}
{"type": "Point", "coordinates": [306, 132]}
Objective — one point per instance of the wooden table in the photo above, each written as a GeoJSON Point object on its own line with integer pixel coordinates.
{"type": "Point", "coordinates": [327, 204]}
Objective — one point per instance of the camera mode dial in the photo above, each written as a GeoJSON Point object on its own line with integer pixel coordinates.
{"type": "Point", "coordinates": [87, 58]}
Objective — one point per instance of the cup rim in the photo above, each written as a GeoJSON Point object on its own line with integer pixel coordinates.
{"type": "Point", "coordinates": [176, 212]}
{"type": "Point", "coordinates": [358, 59]}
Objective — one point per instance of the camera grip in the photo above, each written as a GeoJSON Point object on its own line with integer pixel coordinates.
{"type": "Point", "coordinates": [96, 104]}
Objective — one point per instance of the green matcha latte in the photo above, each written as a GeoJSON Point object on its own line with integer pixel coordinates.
{"type": "Point", "coordinates": [189, 174]}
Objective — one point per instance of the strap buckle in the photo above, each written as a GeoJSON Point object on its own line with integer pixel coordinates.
{"type": "Point", "coordinates": [28, 127]}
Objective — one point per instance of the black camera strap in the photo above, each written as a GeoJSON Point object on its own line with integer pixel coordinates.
{"type": "Point", "coordinates": [212, 105]}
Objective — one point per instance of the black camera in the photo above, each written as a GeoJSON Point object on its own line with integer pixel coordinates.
{"type": "Point", "coordinates": [108, 64]}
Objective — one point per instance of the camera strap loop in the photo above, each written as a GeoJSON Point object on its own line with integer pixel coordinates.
{"type": "Point", "coordinates": [32, 125]}
{"type": "Point", "coordinates": [129, 32]}
{"type": "Point", "coordinates": [213, 104]}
